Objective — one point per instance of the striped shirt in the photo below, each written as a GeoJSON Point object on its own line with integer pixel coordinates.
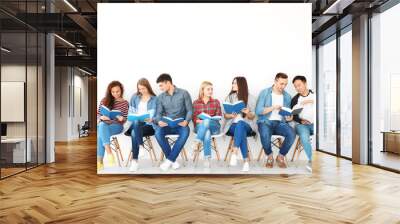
{"type": "Point", "coordinates": [212, 108]}
{"type": "Point", "coordinates": [122, 106]}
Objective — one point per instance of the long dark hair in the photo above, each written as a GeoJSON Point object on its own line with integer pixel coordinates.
{"type": "Point", "coordinates": [243, 89]}
{"type": "Point", "coordinates": [109, 100]}
{"type": "Point", "coordinates": [144, 82]}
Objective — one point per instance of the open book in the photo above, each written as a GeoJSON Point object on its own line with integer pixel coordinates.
{"type": "Point", "coordinates": [236, 108]}
{"type": "Point", "coordinates": [204, 116]}
{"type": "Point", "coordinates": [284, 111]}
{"type": "Point", "coordinates": [138, 117]}
{"type": "Point", "coordinates": [172, 122]}
{"type": "Point", "coordinates": [112, 114]}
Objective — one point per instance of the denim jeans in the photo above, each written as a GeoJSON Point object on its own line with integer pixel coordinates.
{"type": "Point", "coordinates": [305, 131]}
{"type": "Point", "coordinates": [204, 131]}
{"type": "Point", "coordinates": [104, 132]}
{"type": "Point", "coordinates": [240, 131]}
{"type": "Point", "coordinates": [138, 130]}
{"type": "Point", "coordinates": [161, 132]}
{"type": "Point", "coordinates": [269, 128]}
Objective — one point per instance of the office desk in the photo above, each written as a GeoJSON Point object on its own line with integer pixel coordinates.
{"type": "Point", "coordinates": [391, 141]}
{"type": "Point", "coordinates": [16, 147]}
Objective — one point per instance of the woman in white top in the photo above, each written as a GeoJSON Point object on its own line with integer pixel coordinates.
{"type": "Point", "coordinates": [143, 101]}
{"type": "Point", "coordinates": [242, 124]}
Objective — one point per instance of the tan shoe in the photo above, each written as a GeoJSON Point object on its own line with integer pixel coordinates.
{"type": "Point", "coordinates": [281, 161]}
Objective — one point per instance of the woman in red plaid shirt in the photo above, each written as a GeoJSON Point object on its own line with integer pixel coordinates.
{"type": "Point", "coordinates": [209, 109]}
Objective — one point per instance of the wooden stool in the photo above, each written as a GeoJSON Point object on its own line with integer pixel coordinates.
{"type": "Point", "coordinates": [114, 145]}
{"type": "Point", "coordinates": [148, 145]}
{"type": "Point", "coordinates": [277, 142]}
{"type": "Point", "coordinates": [171, 141]}
{"type": "Point", "coordinates": [230, 150]}
{"type": "Point", "coordinates": [199, 148]}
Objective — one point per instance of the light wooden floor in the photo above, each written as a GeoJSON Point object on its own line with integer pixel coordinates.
{"type": "Point", "coordinates": [69, 191]}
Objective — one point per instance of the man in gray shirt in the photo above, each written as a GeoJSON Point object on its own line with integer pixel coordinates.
{"type": "Point", "coordinates": [174, 103]}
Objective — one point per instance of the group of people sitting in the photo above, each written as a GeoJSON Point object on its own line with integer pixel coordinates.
{"type": "Point", "coordinates": [260, 115]}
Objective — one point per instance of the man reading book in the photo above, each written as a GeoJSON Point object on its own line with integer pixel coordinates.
{"type": "Point", "coordinates": [305, 99]}
{"type": "Point", "coordinates": [173, 103]}
{"type": "Point", "coordinates": [271, 122]}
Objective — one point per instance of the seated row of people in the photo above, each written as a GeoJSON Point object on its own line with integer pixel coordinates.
{"type": "Point", "coordinates": [175, 104]}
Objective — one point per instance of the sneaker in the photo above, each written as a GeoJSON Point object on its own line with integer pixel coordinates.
{"type": "Point", "coordinates": [165, 165]}
{"type": "Point", "coordinates": [111, 160]}
{"type": "Point", "coordinates": [134, 166]}
{"type": "Point", "coordinates": [246, 167]}
{"type": "Point", "coordinates": [207, 163]}
{"type": "Point", "coordinates": [233, 161]}
{"type": "Point", "coordinates": [175, 165]}
{"type": "Point", "coordinates": [309, 166]}
{"type": "Point", "coordinates": [100, 166]}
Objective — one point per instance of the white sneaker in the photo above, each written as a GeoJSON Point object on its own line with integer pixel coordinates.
{"type": "Point", "coordinates": [134, 166]}
{"type": "Point", "coordinates": [309, 166]}
{"type": "Point", "coordinates": [207, 163]}
{"type": "Point", "coordinates": [175, 165]}
{"type": "Point", "coordinates": [233, 161]}
{"type": "Point", "coordinates": [246, 167]}
{"type": "Point", "coordinates": [165, 165]}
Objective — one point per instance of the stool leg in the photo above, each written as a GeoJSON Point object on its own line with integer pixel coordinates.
{"type": "Point", "coordinates": [152, 149]}
{"type": "Point", "coordinates": [295, 149]}
{"type": "Point", "coordinates": [216, 149]}
{"type": "Point", "coordinates": [196, 152]}
{"type": "Point", "coordinates": [129, 159]}
{"type": "Point", "coordinates": [228, 150]}
{"type": "Point", "coordinates": [260, 154]}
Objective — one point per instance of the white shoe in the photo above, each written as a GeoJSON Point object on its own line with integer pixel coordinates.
{"type": "Point", "coordinates": [246, 167]}
{"type": "Point", "coordinates": [165, 165]}
{"type": "Point", "coordinates": [134, 166]}
{"type": "Point", "coordinates": [233, 161]}
{"type": "Point", "coordinates": [309, 166]}
{"type": "Point", "coordinates": [207, 163]}
{"type": "Point", "coordinates": [175, 165]}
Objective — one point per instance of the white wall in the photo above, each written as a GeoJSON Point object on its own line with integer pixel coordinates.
{"type": "Point", "coordinates": [68, 82]}
{"type": "Point", "coordinates": [197, 42]}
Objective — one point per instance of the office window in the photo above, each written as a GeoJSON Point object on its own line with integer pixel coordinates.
{"type": "Point", "coordinates": [385, 89]}
{"type": "Point", "coordinates": [327, 96]}
{"type": "Point", "coordinates": [22, 94]}
{"type": "Point", "coordinates": [346, 93]}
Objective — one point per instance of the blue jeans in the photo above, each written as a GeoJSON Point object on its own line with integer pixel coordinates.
{"type": "Point", "coordinates": [138, 130]}
{"type": "Point", "coordinates": [204, 131]}
{"type": "Point", "coordinates": [304, 131]}
{"type": "Point", "coordinates": [269, 128]}
{"type": "Point", "coordinates": [161, 132]}
{"type": "Point", "coordinates": [240, 131]}
{"type": "Point", "coordinates": [104, 132]}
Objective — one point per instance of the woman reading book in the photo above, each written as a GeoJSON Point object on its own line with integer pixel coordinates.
{"type": "Point", "coordinates": [106, 126]}
{"type": "Point", "coordinates": [240, 124]}
{"type": "Point", "coordinates": [206, 116]}
{"type": "Point", "coordinates": [143, 102]}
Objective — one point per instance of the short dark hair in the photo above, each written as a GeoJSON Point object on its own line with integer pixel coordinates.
{"type": "Point", "coordinates": [281, 75]}
{"type": "Point", "coordinates": [164, 78]}
{"type": "Point", "coordinates": [300, 77]}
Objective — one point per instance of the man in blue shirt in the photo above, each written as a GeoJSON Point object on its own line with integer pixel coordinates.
{"type": "Point", "coordinates": [270, 122]}
{"type": "Point", "coordinates": [173, 103]}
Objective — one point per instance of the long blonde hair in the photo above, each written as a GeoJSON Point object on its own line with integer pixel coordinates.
{"type": "Point", "coordinates": [203, 85]}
